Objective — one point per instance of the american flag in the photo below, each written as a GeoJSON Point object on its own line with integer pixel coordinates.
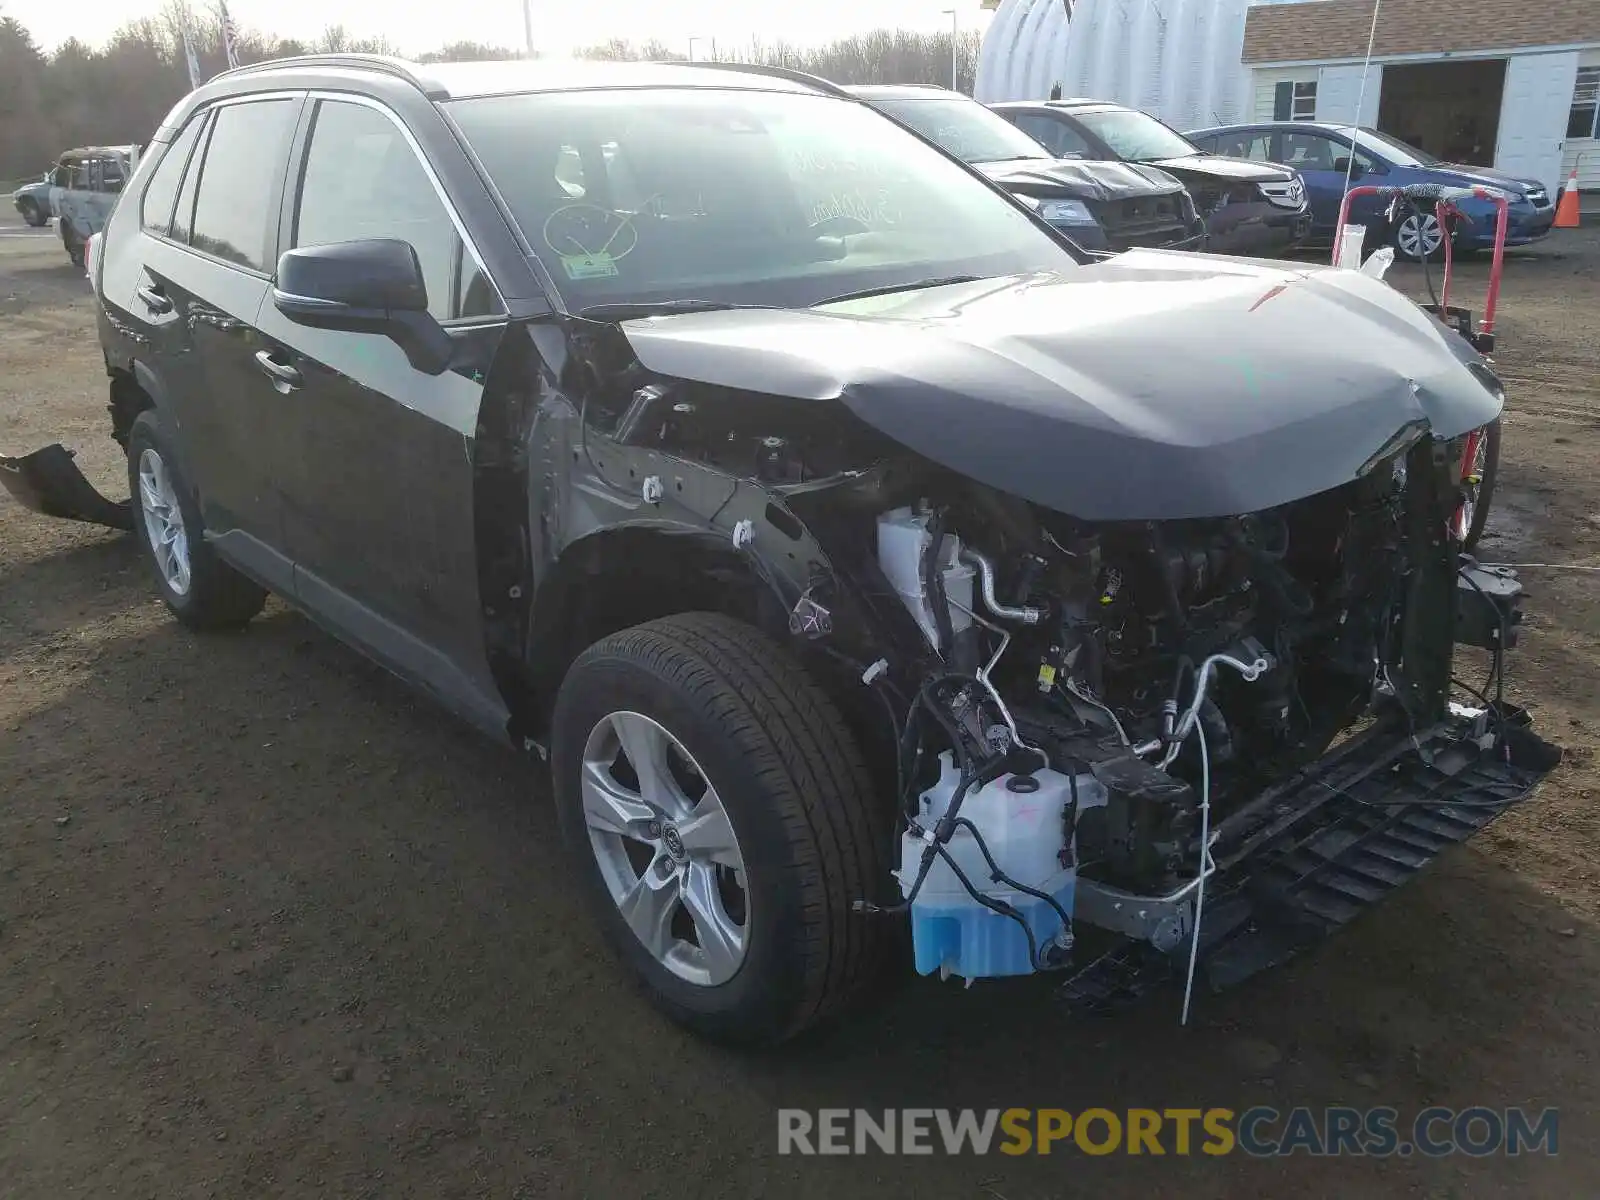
{"type": "Point", "coordinates": [230, 34]}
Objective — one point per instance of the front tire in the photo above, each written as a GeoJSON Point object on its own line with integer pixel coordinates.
{"type": "Point", "coordinates": [722, 822]}
{"type": "Point", "coordinates": [202, 591]}
{"type": "Point", "coordinates": [32, 214]}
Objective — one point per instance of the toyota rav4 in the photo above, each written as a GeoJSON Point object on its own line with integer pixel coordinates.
{"type": "Point", "coordinates": [882, 578]}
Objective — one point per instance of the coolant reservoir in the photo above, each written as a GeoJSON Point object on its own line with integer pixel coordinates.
{"type": "Point", "coordinates": [1022, 822]}
{"type": "Point", "coordinates": [902, 539]}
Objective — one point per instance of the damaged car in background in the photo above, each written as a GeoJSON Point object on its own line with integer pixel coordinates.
{"type": "Point", "coordinates": [1102, 206]}
{"type": "Point", "coordinates": [881, 576]}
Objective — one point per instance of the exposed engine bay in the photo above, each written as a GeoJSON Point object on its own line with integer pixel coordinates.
{"type": "Point", "coordinates": [1089, 716]}
{"type": "Point", "coordinates": [1110, 695]}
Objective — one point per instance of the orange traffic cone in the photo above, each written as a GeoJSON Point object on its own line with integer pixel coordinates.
{"type": "Point", "coordinates": [1567, 206]}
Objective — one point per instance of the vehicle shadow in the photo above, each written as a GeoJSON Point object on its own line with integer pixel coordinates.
{"type": "Point", "coordinates": [85, 583]}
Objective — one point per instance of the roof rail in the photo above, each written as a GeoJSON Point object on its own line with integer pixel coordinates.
{"type": "Point", "coordinates": [398, 68]}
{"type": "Point", "coordinates": [811, 81]}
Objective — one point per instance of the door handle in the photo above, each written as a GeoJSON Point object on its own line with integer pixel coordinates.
{"type": "Point", "coordinates": [283, 377]}
{"type": "Point", "coordinates": [154, 300]}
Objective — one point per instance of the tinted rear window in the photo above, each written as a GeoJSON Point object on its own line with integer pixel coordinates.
{"type": "Point", "coordinates": [159, 194]}
{"type": "Point", "coordinates": [238, 182]}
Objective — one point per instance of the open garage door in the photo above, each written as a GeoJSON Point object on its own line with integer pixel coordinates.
{"type": "Point", "coordinates": [1533, 115]}
{"type": "Point", "coordinates": [1339, 91]}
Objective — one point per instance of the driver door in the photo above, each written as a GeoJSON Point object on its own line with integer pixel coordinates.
{"type": "Point", "coordinates": [378, 488]}
{"type": "Point", "coordinates": [1321, 159]}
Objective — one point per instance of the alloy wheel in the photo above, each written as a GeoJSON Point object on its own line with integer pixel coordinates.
{"type": "Point", "coordinates": [666, 849]}
{"type": "Point", "coordinates": [1419, 237]}
{"type": "Point", "coordinates": [163, 522]}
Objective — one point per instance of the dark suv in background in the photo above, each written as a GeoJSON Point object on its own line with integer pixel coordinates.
{"type": "Point", "coordinates": [1102, 205]}
{"type": "Point", "coordinates": [1250, 208]}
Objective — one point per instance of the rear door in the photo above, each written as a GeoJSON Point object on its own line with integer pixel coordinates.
{"type": "Point", "coordinates": [378, 489]}
{"type": "Point", "coordinates": [209, 275]}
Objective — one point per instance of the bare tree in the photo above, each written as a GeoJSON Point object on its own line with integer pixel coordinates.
{"type": "Point", "coordinates": [120, 91]}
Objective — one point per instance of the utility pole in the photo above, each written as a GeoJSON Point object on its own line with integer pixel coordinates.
{"type": "Point", "coordinates": [955, 20]}
{"type": "Point", "coordinates": [527, 25]}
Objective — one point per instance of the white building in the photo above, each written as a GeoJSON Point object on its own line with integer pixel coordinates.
{"type": "Point", "coordinates": [1515, 83]}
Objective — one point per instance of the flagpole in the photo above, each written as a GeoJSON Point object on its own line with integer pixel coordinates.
{"type": "Point", "coordinates": [228, 33]}
{"type": "Point", "coordinates": [189, 55]}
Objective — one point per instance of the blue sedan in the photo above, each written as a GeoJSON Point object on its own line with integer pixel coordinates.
{"type": "Point", "coordinates": [1321, 153]}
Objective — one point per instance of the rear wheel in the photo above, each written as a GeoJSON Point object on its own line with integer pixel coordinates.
{"type": "Point", "coordinates": [722, 822]}
{"type": "Point", "coordinates": [201, 590]}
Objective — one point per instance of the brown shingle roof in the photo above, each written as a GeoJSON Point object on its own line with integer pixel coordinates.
{"type": "Point", "coordinates": [1320, 30]}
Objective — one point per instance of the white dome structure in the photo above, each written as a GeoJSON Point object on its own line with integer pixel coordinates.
{"type": "Point", "coordinates": [1177, 59]}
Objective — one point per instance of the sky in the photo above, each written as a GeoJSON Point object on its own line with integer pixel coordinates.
{"type": "Point", "coordinates": [559, 25]}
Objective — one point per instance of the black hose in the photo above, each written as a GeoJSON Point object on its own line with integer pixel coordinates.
{"type": "Point", "coordinates": [999, 876]}
{"type": "Point", "coordinates": [997, 906]}
{"type": "Point", "coordinates": [1497, 662]}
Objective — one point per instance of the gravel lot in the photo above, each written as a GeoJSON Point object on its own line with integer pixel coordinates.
{"type": "Point", "coordinates": [270, 925]}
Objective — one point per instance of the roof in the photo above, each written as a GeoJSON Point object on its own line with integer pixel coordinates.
{"type": "Point", "coordinates": [903, 91]}
{"type": "Point", "coordinates": [462, 80]}
{"type": "Point", "coordinates": [1321, 30]}
{"type": "Point", "coordinates": [1082, 103]}
{"type": "Point", "coordinates": [1296, 126]}
{"type": "Point", "coordinates": [98, 150]}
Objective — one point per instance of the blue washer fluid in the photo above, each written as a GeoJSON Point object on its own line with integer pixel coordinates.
{"type": "Point", "coordinates": [1023, 825]}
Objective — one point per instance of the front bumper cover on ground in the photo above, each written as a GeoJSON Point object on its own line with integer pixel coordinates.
{"type": "Point", "coordinates": [1314, 851]}
{"type": "Point", "coordinates": [49, 482]}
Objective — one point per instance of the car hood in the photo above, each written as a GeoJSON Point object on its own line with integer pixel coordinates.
{"type": "Point", "coordinates": [1487, 177]}
{"type": "Point", "coordinates": [1082, 180]}
{"type": "Point", "coordinates": [1151, 386]}
{"type": "Point", "coordinates": [1225, 169]}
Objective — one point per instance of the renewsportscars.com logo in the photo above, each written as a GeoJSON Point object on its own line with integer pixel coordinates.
{"type": "Point", "coordinates": [1260, 1132]}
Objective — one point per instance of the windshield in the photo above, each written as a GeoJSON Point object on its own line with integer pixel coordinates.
{"type": "Point", "coordinates": [966, 128]}
{"type": "Point", "coordinates": [738, 197]}
{"type": "Point", "coordinates": [1136, 136]}
{"type": "Point", "coordinates": [1400, 154]}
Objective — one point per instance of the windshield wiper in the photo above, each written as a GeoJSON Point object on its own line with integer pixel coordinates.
{"type": "Point", "coordinates": [915, 285]}
{"type": "Point", "coordinates": [626, 310]}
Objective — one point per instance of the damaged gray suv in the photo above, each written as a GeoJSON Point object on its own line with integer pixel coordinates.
{"type": "Point", "coordinates": [885, 582]}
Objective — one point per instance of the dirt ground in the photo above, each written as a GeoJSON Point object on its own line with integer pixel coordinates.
{"type": "Point", "coordinates": [272, 926]}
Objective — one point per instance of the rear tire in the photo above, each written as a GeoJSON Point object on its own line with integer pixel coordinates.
{"type": "Point", "coordinates": [72, 245]}
{"type": "Point", "coordinates": [202, 591]}
{"type": "Point", "coordinates": [808, 834]}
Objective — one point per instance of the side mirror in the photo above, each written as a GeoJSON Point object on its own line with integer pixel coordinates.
{"type": "Point", "coordinates": [1342, 165]}
{"type": "Point", "coordinates": [372, 286]}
